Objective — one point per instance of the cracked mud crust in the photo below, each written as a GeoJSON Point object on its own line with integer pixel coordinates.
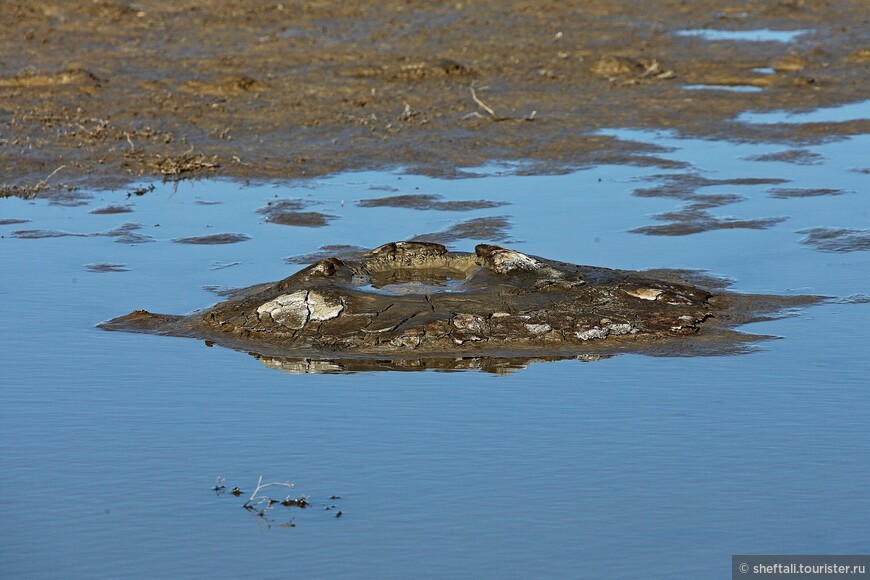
{"type": "Point", "coordinates": [417, 305]}
{"type": "Point", "coordinates": [99, 93]}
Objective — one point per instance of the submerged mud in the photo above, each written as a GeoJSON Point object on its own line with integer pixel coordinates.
{"type": "Point", "coordinates": [214, 239]}
{"type": "Point", "coordinates": [288, 212]}
{"type": "Point", "coordinates": [429, 202]}
{"type": "Point", "coordinates": [99, 94]}
{"type": "Point", "coordinates": [126, 233]}
{"type": "Point", "coordinates": [836, 239]}
{"type": "Point", "coordinates": [414, 306]}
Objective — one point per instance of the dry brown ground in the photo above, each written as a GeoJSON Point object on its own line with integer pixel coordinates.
{"type": "Point", "coordinates": [111, 91]}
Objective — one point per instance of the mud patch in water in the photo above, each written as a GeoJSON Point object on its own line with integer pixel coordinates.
{"type": "Point", "coordinates": [685, 185]}
{"type": "Point", "coordinates": [123, 234]}
{"type": "Point", "coordinates": [789, 192]}
{"type": "Point", "coordinates": [113, 208]}
{"type": "Point", "coordinates": [65, 197]}
{"type": "Point", "coordinates": [222, 265]}
{"type": "Point", "coordinates": [854, 299]}
{"type": "Point", "coordinates": [694, 221]}
{"type": "Point", "coordinates": [836, 240]}
{"type": "Point", "coordinates": [12, 221]}
{"type": "Point", "coordinates": [213, 239]}
{"type": "Point", "coordinates": [429, 202]}
{"type": "Point", "coordinates": [693, 217]}
{"type": "Point", "coordinates": [286, 212]}
{"type": "Point", "coordinates": [795, 156]}
{"type": "Point", "coordinates": [105, 267]}
{"type": "Point", "coordinates": [304, 219]}
{"type": "Point", "coordinates": [490, 229]}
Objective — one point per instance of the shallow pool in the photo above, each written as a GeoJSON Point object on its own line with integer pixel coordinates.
{"type": "Point", "coordinates": [110, 443]}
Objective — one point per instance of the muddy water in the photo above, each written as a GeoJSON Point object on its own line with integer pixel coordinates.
{"type": "Point", "coordinates": [110, 443]}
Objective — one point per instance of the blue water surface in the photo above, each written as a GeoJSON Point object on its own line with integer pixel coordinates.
{"type": "Point", "coordinates": [633, 466]}
{"type": "Point", "coordinates": [758, 35]}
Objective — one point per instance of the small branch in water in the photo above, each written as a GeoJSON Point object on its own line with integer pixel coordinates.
{"type": "Point", "coordinates": [260, 504]}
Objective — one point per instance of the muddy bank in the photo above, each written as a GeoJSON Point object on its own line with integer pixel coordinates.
{"type": "Point", "coordinates": [101, 93]}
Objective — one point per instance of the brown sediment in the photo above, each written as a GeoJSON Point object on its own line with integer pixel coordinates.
{"type": "Point", "coordinates": [114, 92]}
{"type": "Point", "coordinates": [305, 219]}
{"type": "Point", "coordinates": [415, 306]}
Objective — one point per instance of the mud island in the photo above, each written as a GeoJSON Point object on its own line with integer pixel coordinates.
{"type": "Point", "coordinates": [404, 303]}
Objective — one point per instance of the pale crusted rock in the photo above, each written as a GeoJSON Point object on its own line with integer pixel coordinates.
{"type": "Point", "coordinates": [289, 310]}
{"type": "Point", "coordinates": [644, 293]}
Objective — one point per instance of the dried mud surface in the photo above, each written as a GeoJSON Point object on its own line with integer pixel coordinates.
{"type": "Point", "coordinates": [100, 93]}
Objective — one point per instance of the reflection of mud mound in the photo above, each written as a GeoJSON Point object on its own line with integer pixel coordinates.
{"type": "Point", "coordinates": [416, 306]}
{"type": "Point", "coordinates": [499, 366]}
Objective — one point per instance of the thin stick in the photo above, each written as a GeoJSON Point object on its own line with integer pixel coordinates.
{"type": "Point", "coordinates": [50, 175]}
{"type": "Point", "coordinates": [261, 485]}
{"type": "Point", "coordinates": [483, 105]}
{"type": "Point", "coordinates": [43, 183]}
